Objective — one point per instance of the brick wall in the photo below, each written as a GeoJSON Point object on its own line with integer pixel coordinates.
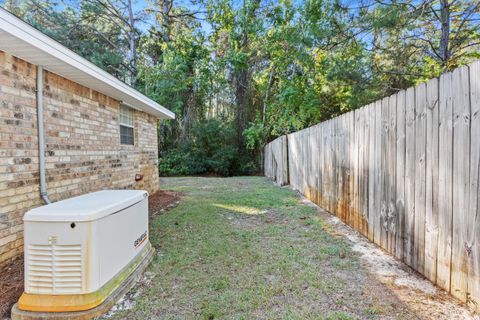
{"type": "Point", "coordinates": [83, 150]}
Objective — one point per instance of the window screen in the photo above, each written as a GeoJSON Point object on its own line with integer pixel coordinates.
{"type": "Point", "coordinates": [126, 125]}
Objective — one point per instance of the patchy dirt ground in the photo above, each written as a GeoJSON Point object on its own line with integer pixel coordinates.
{"type": "Point", "coordinates": [419, 294]}
{"type": "Point", "coordinates": [241, 248]}
{"type": "Point", "coordinates": [163, 200]}
{"type": "Point", "coordinates": [11, 286]}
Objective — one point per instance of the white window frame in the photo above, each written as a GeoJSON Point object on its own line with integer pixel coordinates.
{"type": "Point", "coordinates": [129, 124]}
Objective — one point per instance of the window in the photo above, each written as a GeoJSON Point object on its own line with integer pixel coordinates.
{"type": "Point", "coordinates": [126, 125]}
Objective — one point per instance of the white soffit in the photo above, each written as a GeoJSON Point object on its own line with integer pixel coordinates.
{"type": "Point", "coordinates": [25, 42]}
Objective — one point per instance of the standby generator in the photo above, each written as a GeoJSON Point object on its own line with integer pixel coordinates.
{"type": "Point", "coordinates": [79, 250]}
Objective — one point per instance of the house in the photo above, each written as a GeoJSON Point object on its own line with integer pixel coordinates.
{"type": "Point", "coordinates": [66, 128]}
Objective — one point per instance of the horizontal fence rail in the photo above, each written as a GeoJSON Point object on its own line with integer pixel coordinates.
{"type": "Point", "coordinates": [404, 172]}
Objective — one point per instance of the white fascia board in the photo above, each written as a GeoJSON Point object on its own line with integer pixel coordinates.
{"type": "Point", "coordinates": [42, 47]}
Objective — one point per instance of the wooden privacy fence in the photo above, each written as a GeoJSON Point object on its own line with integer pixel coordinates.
{"type": "Point", "coordinates": [404, 172]}
{"type": "Point", "coordinates": [276, 162]}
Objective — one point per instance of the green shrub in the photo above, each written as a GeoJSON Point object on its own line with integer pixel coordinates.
{"type": "Point", "coordinates": [211, 150]}
{"type": "Point", "coordinates": [173, 163]}
{"type": "Point", "coordinates": [213, 147]}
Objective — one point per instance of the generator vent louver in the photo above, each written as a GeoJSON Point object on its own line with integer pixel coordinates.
{"type": "Point", "coordinates": [55, 269]}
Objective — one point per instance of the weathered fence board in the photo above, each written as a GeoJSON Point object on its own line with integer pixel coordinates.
{"type": "Point", "coordinates": [473, 220]}
{"type": "Point", "coordinates": [409, 177]}
{"type": "Point", "coordinates": [445, 159]}
{"type": "Point", "coordinates": [405, 172]}
{"type": "Point", "coordinates": [338, 168]}
{"type": "Point", "coordinates": [358, 172]}
{"type": "Point", "coordinates": [391, 164]}
{"type": "Point", "coordinates": [461, 181]}
{"type": "Point", "coordinates": [316, 163]}
{"type": "Point", "coordinates": [292, 155]}
{"type": "Point", "coordinates": [420, 138]}
{"type": "Point", "coordinates": [365, 168]}
{"type": "Point", "coordinates": [331, 166]}
{"type": "Point", "coordinates": [384, 179]}
{"type": "Point", "coordinates": [377, 168]}
{"type": "Point", "coordinates": [351, 164]}
{"type": "Point", "coordinates": [371, 172]}
{"type": "Point", "coordinates": [400, 176]}
{"type": "Point", "coordinates": [431, 185]}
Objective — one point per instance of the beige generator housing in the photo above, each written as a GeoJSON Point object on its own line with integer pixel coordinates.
{"type": "Point", "coordinates": [79, 250]}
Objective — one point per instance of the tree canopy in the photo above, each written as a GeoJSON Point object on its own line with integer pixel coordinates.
{"type": "Point", "coordinates": [238, 73]}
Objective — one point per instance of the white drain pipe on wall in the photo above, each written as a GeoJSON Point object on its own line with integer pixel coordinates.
{"type": "Point", "coordinates": [41, 136]}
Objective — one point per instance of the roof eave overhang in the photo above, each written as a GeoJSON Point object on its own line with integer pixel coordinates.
{"type": "Point", "coordinates": [27, 43]}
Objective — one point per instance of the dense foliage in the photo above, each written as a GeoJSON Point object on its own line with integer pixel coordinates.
{"type": "Point", "coordinates": [240, 73]}
{"type": "Point", "coordinates": [211, 149]}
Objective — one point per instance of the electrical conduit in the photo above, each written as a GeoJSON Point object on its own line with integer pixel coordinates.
{"type": "Point", "coordinates": [41, 136]}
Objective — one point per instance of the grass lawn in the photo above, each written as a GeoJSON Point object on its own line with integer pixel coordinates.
{"type": "Point", "coordinates": [241, 248]}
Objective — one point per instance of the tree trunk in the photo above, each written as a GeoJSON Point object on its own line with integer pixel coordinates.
{"type": "Point", "coordinates": [267, 92]}
{"type": "Point", "coordinates": [444, 50]}
{"type": "Point", "coordinates": [241, 95]}
{"type": "Point", "coordinates": [242, 78]}
{"type": "Point", "coordinates": [132, 41]}
{"type": "Point", "coordinates": [166, 23]}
